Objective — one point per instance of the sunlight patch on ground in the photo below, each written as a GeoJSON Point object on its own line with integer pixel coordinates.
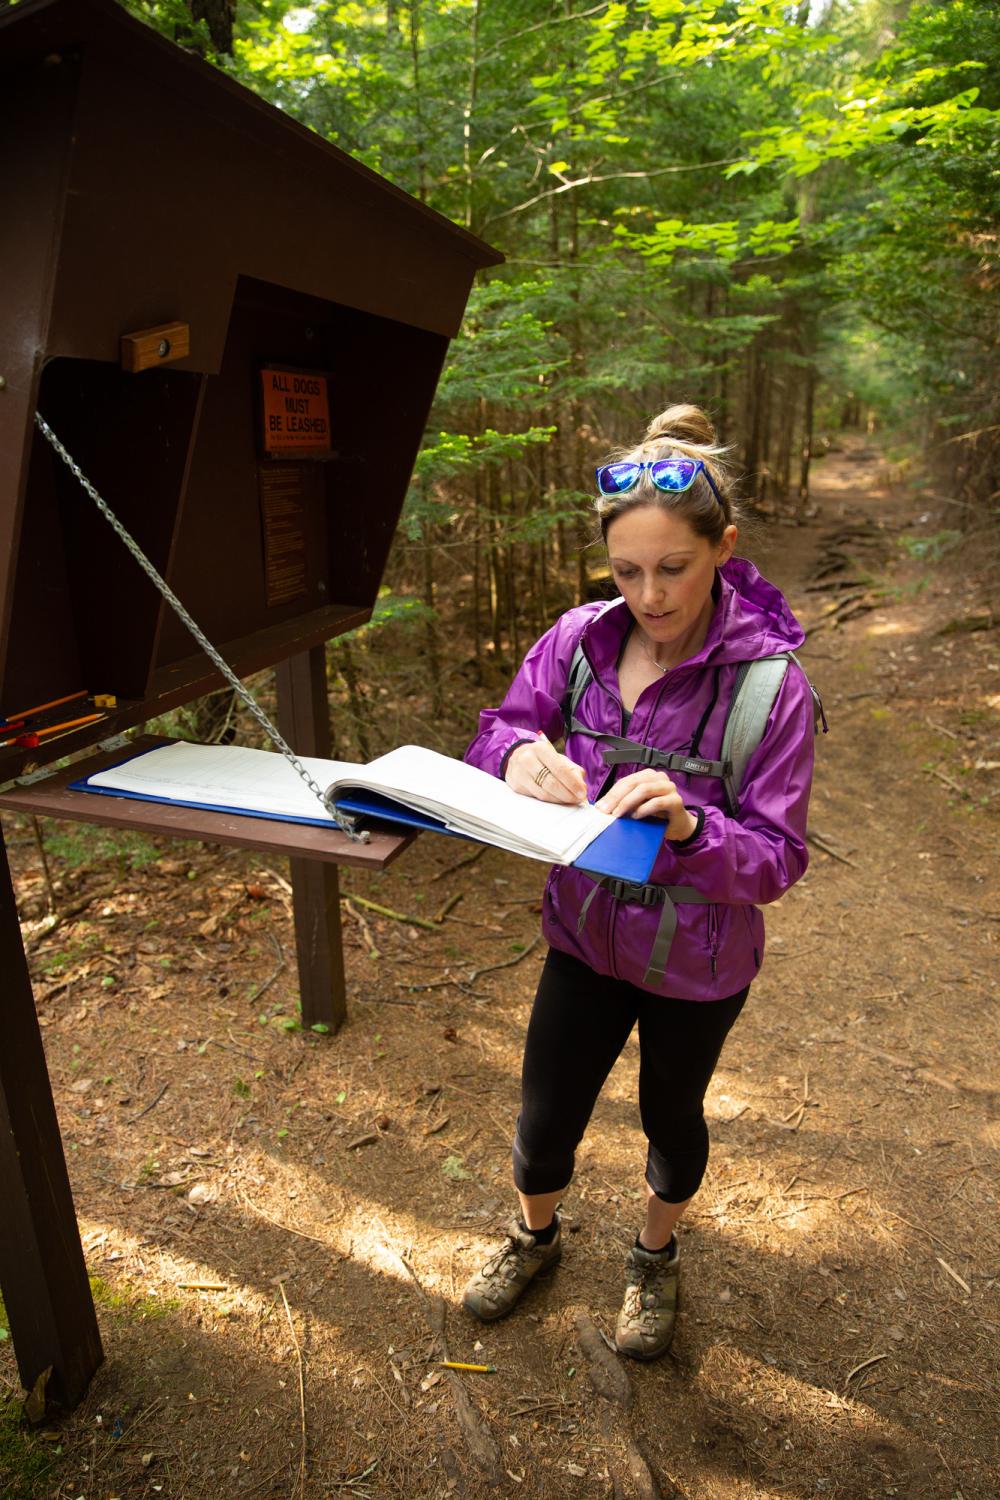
{"type": "Point", "coordinates": [829, 1411]}
{"type": "Point", "coordinates": [140, 1270]}
{"type": "Point", "coordinates": [894, 627]}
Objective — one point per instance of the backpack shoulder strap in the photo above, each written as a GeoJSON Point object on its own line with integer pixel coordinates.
{"type": "Point", "coordinates": [579, 679]}
{"type": "Point", "coordinates": [754, 691]}
{"type": "Point", "coordinates": [580, 676]}
{"type": "Point", "coordinates": [819, 717]}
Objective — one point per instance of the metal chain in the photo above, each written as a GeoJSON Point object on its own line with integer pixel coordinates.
{"type": "Point", "coordinates": [345, 824]}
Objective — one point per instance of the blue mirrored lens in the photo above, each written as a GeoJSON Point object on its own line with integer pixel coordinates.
{"type": "Point", "coordinates": [674, 473]}
{"type": "Point", "coordinates": [614, 479]}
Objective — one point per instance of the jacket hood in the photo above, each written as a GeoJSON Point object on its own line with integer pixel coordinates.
{"type": "Point", "coordinates": [752, 619]}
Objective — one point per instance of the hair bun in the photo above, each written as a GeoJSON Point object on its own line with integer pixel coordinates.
{"type": "Point", "coordinates": [682, 424]}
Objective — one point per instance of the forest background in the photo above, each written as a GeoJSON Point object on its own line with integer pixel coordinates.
{"type": "Point", "coordinates": [786, 213]}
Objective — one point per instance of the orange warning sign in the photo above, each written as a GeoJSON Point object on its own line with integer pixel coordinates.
{"type": "Point", "coordinates": [296, 412]}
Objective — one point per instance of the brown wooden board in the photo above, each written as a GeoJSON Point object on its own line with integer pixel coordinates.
{"type": "Point", "coordinates": [51, 798]}
{"type": "Point", "coordinates": [268, 246]}
{"type": "Point", "coordinates": [189, 677]}
{"type": "Point", "coordinates": [304, 716]}
{"type": "Point", "coordinates": [42, 1269]}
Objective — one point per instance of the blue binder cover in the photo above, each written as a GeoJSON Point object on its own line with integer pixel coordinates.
{"type": "Point", "coordinates": [626, 850]}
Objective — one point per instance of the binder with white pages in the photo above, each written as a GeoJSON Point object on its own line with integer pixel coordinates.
{"type": "Point", "coordinates": [410, 785]}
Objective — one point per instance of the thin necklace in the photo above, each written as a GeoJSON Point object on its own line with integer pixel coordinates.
{"type": "Point", "coordinates": [649, 653]}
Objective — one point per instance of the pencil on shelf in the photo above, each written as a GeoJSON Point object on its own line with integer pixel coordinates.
{"type": "Point", "coordinates": [68, 724]}
{"type": "Point", "coordinates": [39, 708]}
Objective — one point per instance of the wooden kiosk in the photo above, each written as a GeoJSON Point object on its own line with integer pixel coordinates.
{"type": "Point", "coordinates": [236, 331]}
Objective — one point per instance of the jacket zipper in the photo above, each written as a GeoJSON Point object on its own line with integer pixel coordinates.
{"type": "Point", "coordinates": [713, 938]}
{"type": "Point", "coordinates": [613, 916]}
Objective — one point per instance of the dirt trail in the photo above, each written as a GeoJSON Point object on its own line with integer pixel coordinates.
{"type": "Point", "coordinates": [292, 1198]}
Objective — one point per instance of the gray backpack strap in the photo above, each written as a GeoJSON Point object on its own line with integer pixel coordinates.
{"type": "Point", "coordinates": [580, 676]}
{"type": "Point", "coordinates": [819, 717]}
{"type": "Point", "coordinates": [648, 895]}
{"type": "Point", "coordinates": [618, 751]}
{"type": "Point", "coordinates": [754, 692]}
{"type": "Point", "coordinates": [579, 679]}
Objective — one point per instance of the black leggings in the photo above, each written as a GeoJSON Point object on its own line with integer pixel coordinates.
{"type": "Point", "coordinates": [579, 1025]}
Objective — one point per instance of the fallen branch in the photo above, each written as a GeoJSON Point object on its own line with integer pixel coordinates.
{"type": "Point", "coordinates": [835, 613]}
{"type": "Point", "coordinates": [151, 1105]}
{"type": "Point", "coordinates": [821, 843]}
{"type": "Point", "coordinates": [213, 1041]}
{"type": "Point", "coordinates": [954, 1276]}
{"type": "Point", "coordinates": [863, 607]}
{"type": "Point", "coordinates": [448, 906]}
{"type": "Point", "coordinates": [302, 1392]}
{"type": "Point", "coordinates": [366, 931]}
{"type": "Point", "coordinates": [506, 963]}
{"type": "Point", "coordinates": [833, 583]}
{"type": "Point", "coordinates": [66, 915]}
{"type": "Point", "coordinates": [279, 880]}
{"type": "Point", "coordinates": [278, 1224]}
{"type": "Point", "coordinates": [919, 1228]}
{"type": "Point", "coordinates": [839, 605]}
{"type": "Point", "coordinates": [268, 982]}
{"type": "Point", "coordinates": [953, 785]}
{"type": "Point", "coordinates": [387, 911]}
{"type": "Point", "coordinates": [864, 1365]}
{"type": "Point", "coordinates": [468, 859]}
{"type": "Point", "coordinates": [797, 1114]}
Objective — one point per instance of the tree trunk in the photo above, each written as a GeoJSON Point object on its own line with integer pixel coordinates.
{"type": "Point", "coordinates": [343, 657]}
{"type": "Point", "coordinates": [477, 573]}
{"type": "Point", "coordinates": [752, 422]}
{"type": "Point", "coordinates": [421, 135]}
{"type": "Point", "coordinates": [218, 16]}
{"type": "Point", "coordinates": [431, 632]}
{"type": "Point", "coordinates": [467, 114]}
{"type": "Point", "coordinates": [807, 437]}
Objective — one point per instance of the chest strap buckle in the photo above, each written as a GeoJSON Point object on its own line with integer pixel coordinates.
{"type": "Point", "coordinates": [648, 895]}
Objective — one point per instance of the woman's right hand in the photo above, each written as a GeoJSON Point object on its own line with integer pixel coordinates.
{"type": "Point", "coordinates": [536, 769]}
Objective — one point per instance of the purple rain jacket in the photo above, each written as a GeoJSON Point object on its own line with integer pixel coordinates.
{"type": "Point", "coordinates": [737, 863]}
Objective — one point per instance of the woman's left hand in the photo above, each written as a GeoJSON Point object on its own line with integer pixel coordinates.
{"type": "Point", "coordinates": [650, 794]}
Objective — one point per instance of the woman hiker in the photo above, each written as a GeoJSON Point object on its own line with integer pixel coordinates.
{"type": "Point", "coordinates": [660, 666]}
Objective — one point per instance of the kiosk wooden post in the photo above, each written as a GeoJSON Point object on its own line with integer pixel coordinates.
{"type": "Point", "coordinates": [236, 330]}
{"type": "Point", "coordinates": [42, 1270]}
{"type": "Point", "coordinates": [304, 720]}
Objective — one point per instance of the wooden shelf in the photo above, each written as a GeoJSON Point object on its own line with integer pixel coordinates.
{"type": "Point", "coordinates": [52, 798]}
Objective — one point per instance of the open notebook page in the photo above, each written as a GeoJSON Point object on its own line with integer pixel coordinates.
{"type": "Point", "coordinates": [474, 802]}
{"type": "Point", "coordinates": [466, 799]}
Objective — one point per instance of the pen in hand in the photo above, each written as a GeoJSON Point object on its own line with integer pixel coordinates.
{"type": "Point", "coordinates": [563, 770]}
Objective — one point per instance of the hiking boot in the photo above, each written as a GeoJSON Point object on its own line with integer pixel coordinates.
{"type": "Point", "coordinates": [646, 1322]}
{"type": "Point", "coordinates": [493, 1291]}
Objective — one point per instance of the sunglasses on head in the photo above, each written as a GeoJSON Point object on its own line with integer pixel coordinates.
{"type": "Point", "coordinates": [671, 475]}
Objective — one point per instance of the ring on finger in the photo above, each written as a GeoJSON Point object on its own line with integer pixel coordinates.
{"type": "Point", "coordinates": [540, 775]}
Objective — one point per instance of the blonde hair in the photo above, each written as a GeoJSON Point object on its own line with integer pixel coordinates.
{"type": "Point", "coordinates": [682, 431]}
